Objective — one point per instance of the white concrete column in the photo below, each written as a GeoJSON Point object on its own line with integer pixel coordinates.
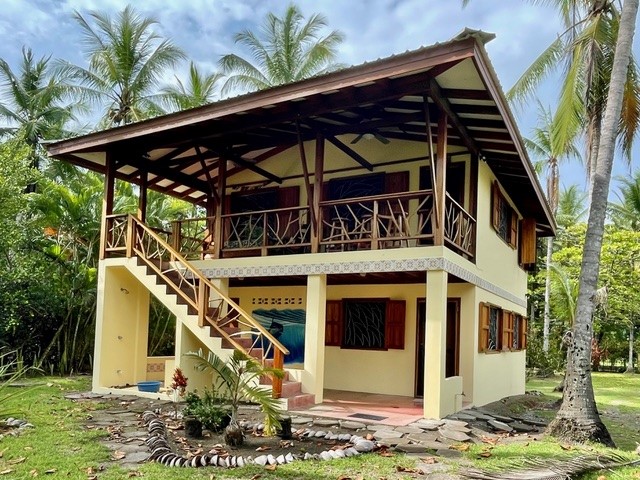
{"type": "Point", "coordinates": [435, 344]}
{"type": "Point", "coordinates": [313, 375]}
{"type": "Point", "coordinates": [221, 284]}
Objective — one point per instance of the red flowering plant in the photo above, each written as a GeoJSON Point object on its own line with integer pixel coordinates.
{"type": "Point", "coordinates": [179, 384]}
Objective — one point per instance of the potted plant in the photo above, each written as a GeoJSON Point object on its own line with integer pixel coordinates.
{"type": "Point", "coordinates": [237, 381]}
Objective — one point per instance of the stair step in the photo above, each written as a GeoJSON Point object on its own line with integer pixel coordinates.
{"type": "Point", "coordinates": [266, 380]}
{"type": "Point", "coordinates": [300, 401]}
{"type": "Point", "coordinates": [244, 342]}
{"type": "Point", "coordinates": [289, 388]}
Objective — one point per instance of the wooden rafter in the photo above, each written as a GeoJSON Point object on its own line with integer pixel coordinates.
{"type": "Point", "coordinates": [307, 182]}
{"type": "Point", "coordinates": [350, 152]}
{"type": "Point", "coordinates": [249, 165]}
{"type": "Point", "coordinates": [435, 92]}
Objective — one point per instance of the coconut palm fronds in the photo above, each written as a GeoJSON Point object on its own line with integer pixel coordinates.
{"type": "Point", "coordinates": [552, 469]}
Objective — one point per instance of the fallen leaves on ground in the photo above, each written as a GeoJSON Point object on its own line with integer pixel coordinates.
{"type": "Point", "coordinates": [401, 469]}
{"type": "Point", "coordinates": [50, 471]}
{"type": "Point", "coordinates": [461, 447]}
{"type": "Point", "coordinates": [271, 468]}
{"type": "Point", "coordinates": [490, 440]}
{"type": "Point", "coordinates": [118, 455]}
{"type": "Point", "coordinates": [134, 473]}
{"type": "Point", "coordinates": [6, 472]}
{"type": "Point", "coordinates": [263, 448]}
{"type": "Point", "coordinates": [256, 476]}
{"type": "Point", "coordinates": [15, 461]}
{"type": "Point", "coordinates": [429, 460]}
{"type": "Point", "coordinates": [566, 447]}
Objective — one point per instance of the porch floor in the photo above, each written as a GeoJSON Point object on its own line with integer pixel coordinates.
{"type": "Point", "coordinates": [369, 408]}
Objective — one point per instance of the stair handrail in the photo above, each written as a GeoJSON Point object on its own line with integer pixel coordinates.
{"type": "Point", "coordinates": [135, 222]}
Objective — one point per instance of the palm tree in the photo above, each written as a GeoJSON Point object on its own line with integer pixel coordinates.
{"type": "Point", "coordinates": [33, 103]}
{"type": "Point", "coordinates": [198, 91]}
{"type": "Point", "coordinates": [546, 147]}
{"type": "Point", "coordinates": [236, 380]}
{"type": "Point", "coordinates": [578, 418]}
{"type": "Point", "coordinates": [571, 206]}
{"type": "Point", "coordinates": [127, 59]}
{"type": "Point", "coordinates": [290, 50]}
{"type": "Point", "coordinates": [626, 214]}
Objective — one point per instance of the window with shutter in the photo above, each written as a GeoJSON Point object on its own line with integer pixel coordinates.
{"type": "Point", "coordinates": [523, 333]}
{"type": "Point", "coordinates": [395, 324]}
{"type": "Point", "coordinates": [334, 323]}
{"type": "Point", "coordinates": [504, 218]}
{"type": "Point", "coordinates": [491, 328]}
{"type": "Point", "coordinates": [527, 251]}
{"type": "Point", "coordinates": [508, 320]}
{"type": "Point", "coordinates": [371, 324]}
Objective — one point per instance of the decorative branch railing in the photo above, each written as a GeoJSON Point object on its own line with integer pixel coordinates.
{"type": "Point", "coordinates": [459, 228]}
{"type": "Point", "coordinates": [282, 230]}
{"type": "Point", "coordinates": [115, 232]}
{"type": "Point", "coordinates": [379, 221]}
{"type": "Point", "coordinates": [193, 237]}
{"type": "Point", "coordinates": [233, 324]}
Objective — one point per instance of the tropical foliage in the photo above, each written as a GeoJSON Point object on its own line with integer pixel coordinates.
{"type": "Point", "coordinates": [289, 49]}
{"type": "Point", "coordinates": [236, 381]}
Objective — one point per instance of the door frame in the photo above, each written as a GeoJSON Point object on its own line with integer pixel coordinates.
{"type": "Point", "coordinates": [421, 306]}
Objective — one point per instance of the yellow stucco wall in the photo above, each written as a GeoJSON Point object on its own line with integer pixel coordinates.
{"type": "Point", "coordinates": [121, 329]}
{"type": "Point", "coordinates": [496, 261]}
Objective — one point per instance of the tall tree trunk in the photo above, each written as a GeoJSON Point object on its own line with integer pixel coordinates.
{"type": "Point", "coordinates": [578, 418]}
{"type": "Point", "coordinates": [547, 295]}
{"type": "Point", "coordinates": [631, 340]}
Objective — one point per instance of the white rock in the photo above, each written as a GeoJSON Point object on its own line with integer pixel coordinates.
{"type": "Point", "coordinates": [364, 446]}
{"type": "Point", "coordinates": [325, 455]}
{"type": "Point", "coordinates": [271, 459]}
{"type": "Point", "coordinates": [261, 460]}
{"type": "Point", "coordinates": [280, 459]}
{"type": "Point", "coordinates": [289, 457]}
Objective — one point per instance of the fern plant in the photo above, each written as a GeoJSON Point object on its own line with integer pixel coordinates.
{"type": "Point", "coordinates": [10, 371]}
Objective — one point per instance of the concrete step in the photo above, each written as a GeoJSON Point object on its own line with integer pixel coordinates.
{"type": "Point", "coordinates": [301, 401]}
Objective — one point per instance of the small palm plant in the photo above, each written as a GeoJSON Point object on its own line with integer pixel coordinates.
{"type": "Point", "coordinates": [237, 380]}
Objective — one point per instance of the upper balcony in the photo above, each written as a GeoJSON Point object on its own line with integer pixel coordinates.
{"type": "Point", "coordinates": [436, 110]}
{"type": "Point", "coordinates": [376, 222]}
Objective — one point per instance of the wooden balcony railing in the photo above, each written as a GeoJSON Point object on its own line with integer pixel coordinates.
{"type": "Point", "coordinates": [395, 220]}
{"type": "Point", "coordinates": [380, 221]}
{"type": "Point", "coordinates": [459, 228]}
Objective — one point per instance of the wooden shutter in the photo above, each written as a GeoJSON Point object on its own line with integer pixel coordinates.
{"type": "Point", "coordinates": [496, 199]}
{"type": "Point", "coordinates": [524, 324]}
{"type": "Point", "coordinates": [508, 319]}
{"type": "Point", "coordinates": [334, 323]}
{"type": "Point", "coordinates": [513, 236]}
{"type": "Point", "coordinates": [394, 324]}
{"type": "Point", "coordinates": [483, 327]}
{"type": "Point", "coordinates": [528, 243]}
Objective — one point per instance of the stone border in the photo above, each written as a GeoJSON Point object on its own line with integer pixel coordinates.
{"type": "Point", "coordinates": [161, 451]}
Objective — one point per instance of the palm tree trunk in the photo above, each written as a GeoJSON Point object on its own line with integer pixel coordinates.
{"type": "Point", "coordinates": [578, 418]}
{"type": "Point", "coordinates": [547, 294]}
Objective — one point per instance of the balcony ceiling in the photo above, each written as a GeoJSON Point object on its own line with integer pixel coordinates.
{"type": "Point", "coordinates": [387, 98]}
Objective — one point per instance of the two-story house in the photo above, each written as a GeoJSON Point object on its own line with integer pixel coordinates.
{"type": "Point", "coordinates": [369, 230]}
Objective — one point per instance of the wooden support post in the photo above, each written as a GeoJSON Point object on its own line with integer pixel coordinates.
{"type": "Point", "coordinates": [318, 182]}
{"type": "Point", "coordinates": [307, 182]}
{"type": "Point", "coordinates": [142, 199]}
{"type": "Point", "coordinates": [473, 198]}
{"type": "Point", "coordinates": [131, 235]}
{"type": "Point", "coordinates": [209, 239]}
{"type": "Point", "coordinates": [176, 236]}
{"type": "Point", "coordinates": [107, 202]}
{"type": "Point", "coordinates": [440, 194]}
{"type": "Point", "coordinates": [278, 362]}
{"type": "Point", "coordinates": [203, 302]}
{"type": "Point", "coordinates": [218, 232]}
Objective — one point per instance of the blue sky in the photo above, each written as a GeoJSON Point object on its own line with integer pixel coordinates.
{"type": "Point", "coordinates": [373, 29]}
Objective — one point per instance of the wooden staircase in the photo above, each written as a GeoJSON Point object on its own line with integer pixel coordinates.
{"type": "Point", "coordinates": [188, 290]}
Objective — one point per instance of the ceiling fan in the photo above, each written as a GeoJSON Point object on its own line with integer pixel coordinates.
{"type": "Point", "coordinates": [371, 135]}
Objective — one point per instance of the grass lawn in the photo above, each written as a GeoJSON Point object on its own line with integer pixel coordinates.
{"type": "Point", "coordinates": [60, 447]}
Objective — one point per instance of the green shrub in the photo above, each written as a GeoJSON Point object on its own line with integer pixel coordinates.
{"type": "Point", "coordinates": [212, 411]}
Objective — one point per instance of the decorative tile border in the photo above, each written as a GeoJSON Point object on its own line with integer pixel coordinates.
{"type": "Point", "coordinates": [374, 266]}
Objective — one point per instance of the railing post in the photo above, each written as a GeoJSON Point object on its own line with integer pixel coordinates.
{"type": "Point", "coordinates": [131, 235]}
{"type": "Point", "coordinates": [265, 234]}
{"type": "Point", "coordinates": [278, 362]}
{"type": "Point", "coordinates": [176, 236]}
{"type": "Point", "coordinates": [374, 226]}
{"type": "Point", "coordinates": [203, 302]}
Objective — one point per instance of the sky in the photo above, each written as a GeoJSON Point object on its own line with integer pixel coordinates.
{"type": "Point", "coordinates": [373, 29]}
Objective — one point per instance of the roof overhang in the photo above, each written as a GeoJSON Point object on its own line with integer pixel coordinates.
{"type": "Point", "coordinates": [180, 152]}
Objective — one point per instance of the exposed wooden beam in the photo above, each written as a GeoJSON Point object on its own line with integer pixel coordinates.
{"type": "Point", "coordinates": [350, 152]}
{"type": "Point", "coordinates": [169, 174]}
{"type": "Point", "coordinates": [248, 165]}
{"type": "Point", "coordinates": [307, 182]}
{"type": "Point", "coordinates": [437, 95]}
{"type": "Point", "coordinates": [207, 173]}
{"type": "Point", "coordinates": [142, 200]}
{"type": "Point", "coordinates": [174, 153]}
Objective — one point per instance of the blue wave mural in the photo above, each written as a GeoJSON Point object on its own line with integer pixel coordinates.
{"type": "Point", "coordinates": [288, 327]}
